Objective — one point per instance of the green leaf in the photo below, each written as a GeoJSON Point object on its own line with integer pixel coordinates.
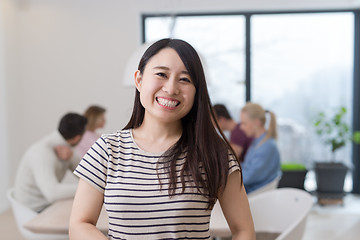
{"type": "Point", "coordinates": [356, 137]}
{"type": "Point", "coordinates": [343, 110]}
{"type": "Point", "coordinates": [317, 123]}
{"type": "Point", "coordinates": [337, 119]}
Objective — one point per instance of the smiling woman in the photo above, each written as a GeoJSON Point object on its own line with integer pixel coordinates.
{"type": "Point", "coordinates": [161, 175]}
{"type": "Point", "coordinates": [166, 89]}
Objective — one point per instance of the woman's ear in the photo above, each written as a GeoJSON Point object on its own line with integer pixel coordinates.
{"type": "Point", "coordinates": [258, 123]}
{"type": "Point", "coordinates": [138, 79]}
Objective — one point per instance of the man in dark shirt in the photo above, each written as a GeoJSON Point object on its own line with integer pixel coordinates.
{"type": "Point", "coordinates": [238, 139]}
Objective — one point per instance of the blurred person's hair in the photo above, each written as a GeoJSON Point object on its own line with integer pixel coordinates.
{"type": "Point", "coordinates": [221, 111]}
{"type": "Point", "coordinates": [72, 125]}
{"type": "Point", "coordinates": [256, 111]}
{"type": "Point", "coordinates": [92, 114]}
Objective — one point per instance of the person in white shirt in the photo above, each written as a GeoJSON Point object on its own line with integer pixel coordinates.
{"type": "Point", "coordinates": [39, 179]}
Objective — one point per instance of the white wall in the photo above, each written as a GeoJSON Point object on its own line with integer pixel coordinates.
{"type": "Point", "coordinates": [61, 56]}
{"type": "Point", "coordinates": [4, 160]}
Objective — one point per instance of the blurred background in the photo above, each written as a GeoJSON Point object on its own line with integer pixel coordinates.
{"type": "Point", "coordinates": [295, 58]}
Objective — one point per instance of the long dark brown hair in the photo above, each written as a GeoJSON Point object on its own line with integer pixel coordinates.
{"type": "Point", "coordinates": [203, 146]}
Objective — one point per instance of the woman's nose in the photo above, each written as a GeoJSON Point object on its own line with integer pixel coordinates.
{"type": "Point", "coordinates": [171, 87]}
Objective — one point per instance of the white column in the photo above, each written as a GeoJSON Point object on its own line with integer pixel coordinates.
{"type": "Point", "coordinates": [4, 161]}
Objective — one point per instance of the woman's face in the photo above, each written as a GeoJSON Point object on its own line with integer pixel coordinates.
{"type": "Point", "coordinates": [166, 90]}
{"type": "Point", "coordinates": [248, 125]}
{"type": "Point", "coordinates": [100, 121]}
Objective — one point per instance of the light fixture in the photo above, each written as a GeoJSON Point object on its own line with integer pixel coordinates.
{"type": "Point", "coordinates": [132, 65]}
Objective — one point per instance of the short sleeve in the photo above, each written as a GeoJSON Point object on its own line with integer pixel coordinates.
{"type": "Point", "coordinates": [233, 164]}
{"type": "Point", "coordinates": [93, 166]}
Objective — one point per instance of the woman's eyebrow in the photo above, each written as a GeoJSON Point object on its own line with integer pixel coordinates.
{"type": "Point", "coordinates": [167, 68]}
{"type": "Point", "coordinates": [161, 67]}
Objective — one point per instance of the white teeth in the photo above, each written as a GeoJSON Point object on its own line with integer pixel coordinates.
{"type": "Point", "coordinates": [166, 102]}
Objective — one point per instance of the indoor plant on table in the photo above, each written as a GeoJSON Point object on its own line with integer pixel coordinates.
{"type": "Point", "coordinates": [330, 175]}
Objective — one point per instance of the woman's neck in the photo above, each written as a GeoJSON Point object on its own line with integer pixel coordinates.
{"type": "Point", "coordinates": [259, 132]}
{"type": "Point", "coordinates": [155, 136]}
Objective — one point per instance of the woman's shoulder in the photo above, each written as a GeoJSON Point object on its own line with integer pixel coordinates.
{"type": "Point", "coordinates": [119, 136]}
{"type": "Point", "coordinates": [269, 143]}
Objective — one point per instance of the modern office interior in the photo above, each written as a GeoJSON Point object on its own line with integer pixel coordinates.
{"type": "Point", "coordinates": [295, 58]}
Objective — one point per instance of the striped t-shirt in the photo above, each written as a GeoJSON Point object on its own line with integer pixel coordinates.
{"type": "Point", "coordinates": [138, 208]}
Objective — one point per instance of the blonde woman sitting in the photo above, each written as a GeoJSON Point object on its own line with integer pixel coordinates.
{"type": "Point", "coordinates": [262, 160]}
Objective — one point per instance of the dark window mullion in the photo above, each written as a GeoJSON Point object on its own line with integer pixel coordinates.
{"type": "Point", "coordinates": [356, 102]}
{"type": "Point", "coordinates": [248, 57]}
{"type": "Point", "coordinates": [143, 30]}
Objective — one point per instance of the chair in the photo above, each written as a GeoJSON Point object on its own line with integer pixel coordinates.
{"type": "Point", "coordinates": [283, 211]}
{"type": "Point", "coordinates": [278, 214]}
{"type": "Point", "coordinates": [23, 214]}
{"type": "Point", "coordinates": [270, 186]}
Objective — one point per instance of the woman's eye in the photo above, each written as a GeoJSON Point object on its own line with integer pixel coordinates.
{"type": "Point", "coordinates": [185, 80]}
{"type": "Point", "coordinates": [161, 74]}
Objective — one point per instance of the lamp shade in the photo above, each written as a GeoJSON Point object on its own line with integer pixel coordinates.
{"type": "Point", "coordinates": [132, 64]}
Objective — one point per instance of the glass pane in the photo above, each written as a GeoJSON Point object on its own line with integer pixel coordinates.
{"type": "Point", "coordinates": [302, 64]}
{"type": "Point", "coordinates": [220, 41]}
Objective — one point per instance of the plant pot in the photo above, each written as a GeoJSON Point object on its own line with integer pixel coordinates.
{"type": "Point", "coordinates": [330, 178]}
{"type": "Point", "coordinates": [293, 175]}
{"type": "Point", "coordinates": [293, 179]}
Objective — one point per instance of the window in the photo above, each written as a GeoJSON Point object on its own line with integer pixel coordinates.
{"type": "Point", "coordinates": [220, 41]}
{"type": "Point", "coordinates": [300, 63]}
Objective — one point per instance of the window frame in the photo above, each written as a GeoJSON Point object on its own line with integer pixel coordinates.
{"type": "Point", "coordinates": [356, 62]}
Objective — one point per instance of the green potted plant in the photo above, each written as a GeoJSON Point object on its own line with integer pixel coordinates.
{"type": "Point", "coordinates": [335, 132]}
{"type": "Point", "coordinates": [293, 175]}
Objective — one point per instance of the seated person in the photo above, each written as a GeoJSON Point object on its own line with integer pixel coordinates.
{"type": "Point", "coordinates": [39, 177]}
{"type": "Point", "coordinates": [238, 139]}
{"type": "Point", "coordinates": [262, 160]}
{"type": "Point", "coordinates": [96, 119]}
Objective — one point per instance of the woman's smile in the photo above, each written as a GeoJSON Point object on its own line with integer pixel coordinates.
{"type": "Point", "coordinates": [167, 103]}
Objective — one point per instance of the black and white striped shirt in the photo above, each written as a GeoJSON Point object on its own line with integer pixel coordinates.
{"type": "Point", "coordinates": [137, 207]}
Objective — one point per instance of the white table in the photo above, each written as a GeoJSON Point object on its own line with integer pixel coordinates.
{"type": "Point", "coordinates": [55, 220]}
